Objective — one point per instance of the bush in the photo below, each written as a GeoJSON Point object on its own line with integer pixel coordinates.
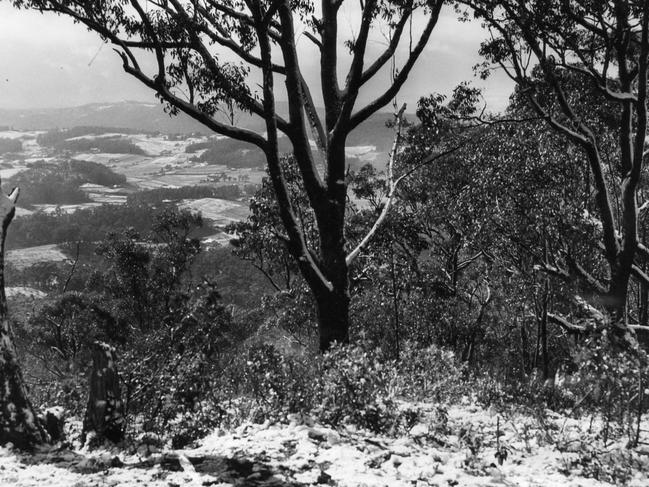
{"type": "Point", "coordinates": [271, 385]}
{"type": "Point", "coordinates": [612, 381]}
{"type": "Point", "coordinates": [431, 373]}
{"type": "Point", "coordinates": [347, 385]}
{"type": "Point", "coordinates": [357, 386]}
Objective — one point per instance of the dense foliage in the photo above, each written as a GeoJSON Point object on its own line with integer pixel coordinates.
{"type": "Point", "coordinates": [84, 225]}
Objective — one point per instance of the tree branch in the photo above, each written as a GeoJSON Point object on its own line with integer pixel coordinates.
{"type": "Point", "coordinates": [393, 187]}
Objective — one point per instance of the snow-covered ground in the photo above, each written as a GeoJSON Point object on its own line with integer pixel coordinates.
{"type": "Point", "coordinates": [552, 452]}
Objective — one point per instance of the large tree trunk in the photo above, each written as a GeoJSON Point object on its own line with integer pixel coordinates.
{"type": "Point", "coordinates": [18, 423]}
{"type": "Point", "coordinates": [105, 411]}
{"type": "Point", "coordinates": [616, 299]}
{"type": "Point", "coordinates": [333, 317]}
{"type": "Point", "coordinates": [333, 302]}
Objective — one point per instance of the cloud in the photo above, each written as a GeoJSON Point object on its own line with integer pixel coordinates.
{"type": "Point", "coordinates": [48, 61]}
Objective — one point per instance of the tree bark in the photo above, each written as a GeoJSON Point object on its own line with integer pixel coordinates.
{"type": "Point", "coordinates": [333, 317]}
{"type": "Point", "coordinates": [18, 423]}
{"type": "Point", "coordinates": [105, 411]}
{"type": "Point", "coordinates": [333, 298]}
{"type": "Point", "coordinates": [544, 330]}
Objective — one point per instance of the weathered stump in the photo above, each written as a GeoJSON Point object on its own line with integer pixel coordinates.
{"type": "Point", "coordinates": [53, 420]}
{"type": "Point", "coordinates": [105, 410]}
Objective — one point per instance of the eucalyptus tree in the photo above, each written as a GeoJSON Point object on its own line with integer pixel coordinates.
{"type": "Point", "coordinates": [189, 43]}
{"type": "Point", "coordinates": [548, 47]}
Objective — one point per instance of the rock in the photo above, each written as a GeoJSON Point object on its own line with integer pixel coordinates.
{"type": "Point", "coordinates": [378, 459]}
{"type": "Point", "coordinates": [396, 460]}
{"type": "Point", "coordinates": [316, 435]}
{"type": "Point", "coordinates": [402, 447]}
{"type": "Point", "coordinates": [323, 478]}
{"type": "Point", "coordinates": [420, 430]}
{"type": "Point", "coordinates": [333, 438]}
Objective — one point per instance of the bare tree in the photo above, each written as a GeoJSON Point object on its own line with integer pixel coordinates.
{"type": "Point", "coordinates": [187, 40]}
{"type": "Point", "coordinates": [18, 423]}
{"type": "Point", "coordinates": [556, 51]}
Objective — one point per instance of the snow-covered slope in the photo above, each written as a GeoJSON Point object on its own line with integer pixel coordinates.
{"type": "Point", "coordinates": [551, 452]}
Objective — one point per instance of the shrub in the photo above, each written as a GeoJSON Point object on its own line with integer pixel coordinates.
{"type": "Point", "coordinates": [347, 385]}
{"type": "Point", "coordinates": [274, 384]}
{"type": "Point", "coordinates": [357, 386]}
{"type": "Point", "coordinates": [611, 380]}
{"type": "Point", "coordinates": [431, 373]}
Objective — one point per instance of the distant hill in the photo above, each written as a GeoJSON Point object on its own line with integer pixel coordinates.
{"type": "Point", "coordinates": [150, 117]}
{"type": "Point", "coordinates": [147, 117]}
{"type": "Point", "coordinates": [126, 114]}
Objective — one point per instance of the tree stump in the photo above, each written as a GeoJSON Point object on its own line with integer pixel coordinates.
{"type": "Point", "coordinates": [105, 410]}
{"type": "Point", "coordinates": [53, 420]}
{"type": "Point", "coordinates": [18, 423]}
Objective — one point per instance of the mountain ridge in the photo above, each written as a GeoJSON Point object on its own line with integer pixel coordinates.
{"type": "Point", "coordinates": [151, 117]}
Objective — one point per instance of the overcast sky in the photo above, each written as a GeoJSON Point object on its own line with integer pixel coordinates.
{"type": "Point", "coordinates": [48, 61]}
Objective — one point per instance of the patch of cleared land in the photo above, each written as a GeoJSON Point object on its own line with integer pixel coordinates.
{"type": "Point", "coordinates": [221, 212]}
{"type": "Point", "coordinates": [49, 209]}
{"type": "Point", "coordinates": [11, 172]}
{"type": "Point", "coordinates": [170, 171]}
{"type": "Point", "coordinates": [29, 256]}
{"type": "Point", "coordinates": [15, 134]}
{"type": "Point", "coordinates": [104, 194]}
{"type": "Point", "coordinates": [220, 238]}
{"type": "Point", "coordinates": [23, 292]}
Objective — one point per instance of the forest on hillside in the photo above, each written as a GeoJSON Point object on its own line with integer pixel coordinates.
{"type": "Point", "coordinates": [475, 312]}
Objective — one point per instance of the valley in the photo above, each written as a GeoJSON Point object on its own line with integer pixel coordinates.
{"type": "Point", "coordinates": [148, 153]}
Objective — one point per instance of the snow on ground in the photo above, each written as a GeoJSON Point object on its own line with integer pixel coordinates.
{"type": "Point", "coordinates": [302, 453]}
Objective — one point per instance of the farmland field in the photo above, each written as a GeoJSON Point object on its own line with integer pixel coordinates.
{"type": "Point", "coordinates": [26, 257]}
{"type": "Point", "coordinates": [148, 161]}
